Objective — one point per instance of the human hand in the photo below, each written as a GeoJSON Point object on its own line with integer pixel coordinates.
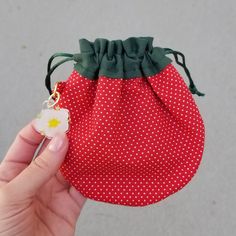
{"type": "Point", "coordinates": [35, 199]}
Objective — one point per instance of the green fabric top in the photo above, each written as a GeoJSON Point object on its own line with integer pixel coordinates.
{"type": "Point", "coordinates": [133, 57]}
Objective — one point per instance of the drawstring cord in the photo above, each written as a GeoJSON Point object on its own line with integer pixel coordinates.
{"type": "Point", "coordinates": [76, 57]}
{"type": "Point", "coordinates": [69, 57]}
{"type": "Point", "coordinates": [192, 86]}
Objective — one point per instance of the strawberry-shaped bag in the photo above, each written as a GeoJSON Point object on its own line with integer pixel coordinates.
{"type": "Point", "coordinates": [136, 135]}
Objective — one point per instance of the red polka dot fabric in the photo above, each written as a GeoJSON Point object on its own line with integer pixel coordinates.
{"type": "Point", "coordinates": [133, 142]}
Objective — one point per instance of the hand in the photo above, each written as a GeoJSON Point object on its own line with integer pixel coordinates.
{"type": "Point", "coordinates": [35, 199]}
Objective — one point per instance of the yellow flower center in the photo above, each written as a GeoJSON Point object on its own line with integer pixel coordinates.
{"type": "Point", "coordinates": [53, 123]}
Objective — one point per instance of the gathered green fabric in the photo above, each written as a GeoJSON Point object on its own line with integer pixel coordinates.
{"type": "Point", "coordinates": [133, 57]}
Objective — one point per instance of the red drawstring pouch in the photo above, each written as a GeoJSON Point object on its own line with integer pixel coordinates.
{"type": "Point", "coordinates": [136, 135]}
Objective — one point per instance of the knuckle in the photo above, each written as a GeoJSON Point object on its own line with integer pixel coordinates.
{"type": "Point", "coordinates": [41, 164]}
{"type": "Point", "coordinates": [7, 172]}
{"type": "Point", "coordinates": [20, 136]}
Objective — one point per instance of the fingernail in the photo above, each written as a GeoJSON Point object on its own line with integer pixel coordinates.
{"type": "Point", "coordinates": [56, 143]}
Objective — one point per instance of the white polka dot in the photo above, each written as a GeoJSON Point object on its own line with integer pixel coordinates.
{"type": "Point", "coordinates": [132, 141]}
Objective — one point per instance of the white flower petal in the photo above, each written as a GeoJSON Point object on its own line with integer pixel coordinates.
{"type": "Point", "coordinates": [57, 118]}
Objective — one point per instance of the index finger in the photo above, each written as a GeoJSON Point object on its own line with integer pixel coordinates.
{"type": "Point", "coordinates": [24, 146]}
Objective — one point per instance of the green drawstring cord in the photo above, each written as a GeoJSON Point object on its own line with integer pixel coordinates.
{"type": "Point", "coordinates": [77, 57]}
{"type": "Point", "coordinates": [192, 86]}
{"type": "Point", "coordinates": [69, 57]}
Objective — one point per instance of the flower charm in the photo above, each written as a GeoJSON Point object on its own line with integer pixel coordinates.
{"type": "Point", "coordinates": [50, 121]}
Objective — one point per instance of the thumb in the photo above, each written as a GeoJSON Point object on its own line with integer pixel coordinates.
{"type": "Point", "coordinates": [41, 169]}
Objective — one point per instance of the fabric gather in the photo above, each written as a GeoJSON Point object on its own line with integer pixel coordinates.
{"type": "Point", "coordinates": [133, 57]}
